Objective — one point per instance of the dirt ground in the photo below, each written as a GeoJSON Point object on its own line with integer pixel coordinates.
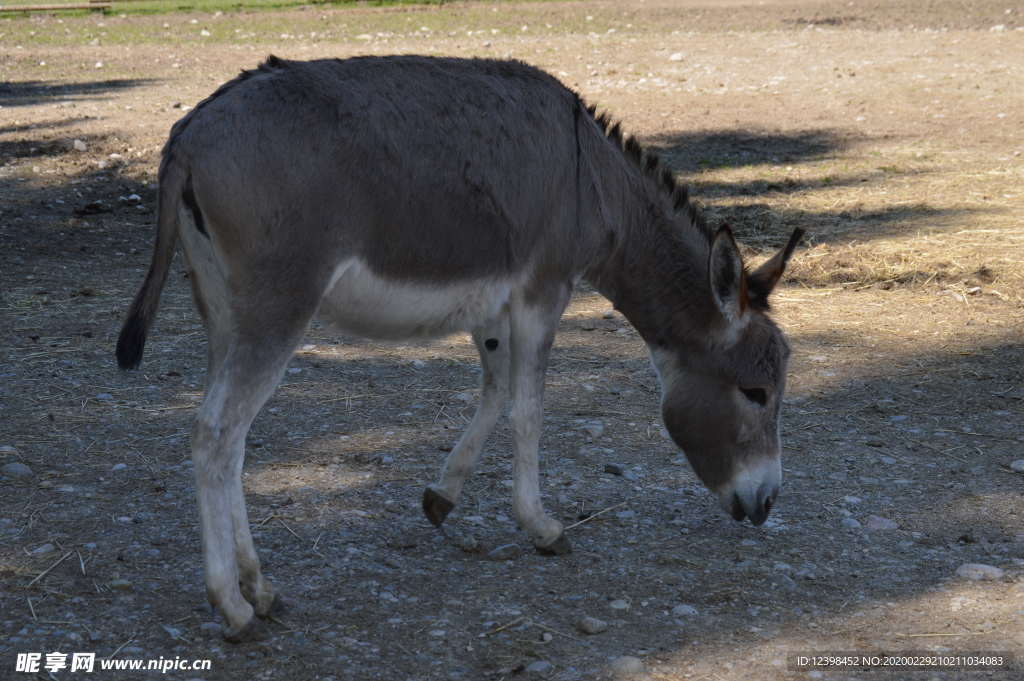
{"type": "Point", "coordinates": [890, 130]}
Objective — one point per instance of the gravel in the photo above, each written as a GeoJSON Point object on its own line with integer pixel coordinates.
{"type": "Point", "coordinates": [626, 667]}
{"type": "Point", "coordinates": [17, 469]}
{"type": "Point", "coordinates": [591, 625]}
{"type": "Point", "coordinates": [979, 572]}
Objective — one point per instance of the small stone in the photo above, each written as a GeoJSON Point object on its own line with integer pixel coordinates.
{"type": "Point", "coordinates": [16, 469]}
{"type": "Point", "coordinates": [853, 501]}
{"type": "Point", "coordinates": [539, 667]}
{"type": "Point", "coordinates": [609, 314]}
{"type": "Point", "coordinates": [875, 522]}
{"type": "Point", "coordinates": [619, 604]}
{"type": "Point", "coordinates": [466, 542]}
{"type": "Point", "coordinates": [79, 145]}
{"type": "Point", "coordinates": [626, 515]}
{"type": "Point", "coordinates": [614, 468]}
{"type": "Point", "coordinates": [120, 585]}
{"type": "Point", "coordinates": [119, 467]}
{"type": "Point", "coordinates": [979, 572]}
{"type": "Point", "coordinates": [591, 625]}
{"type": "Point", "coordinates": [8, 449]}
{"type": "Point", "coordinates": [594, 429]}
{"type": "Point", "coordinates": [851, 523]}
{"type": "Point", "coordinates": [104, 396]}
{"type": "Point", "coordinates": [626, 667]}
{"type": "Point", "coordinates": [1017, 466]}
{"type": "Point", "coordinates": [676, 56]}
{"type": "Point", "coordinates": [684, 610]}
{"type": "Point", "coordinates": [45, 548]}
{"type": "Point", "coordinates": [504, 552]}
{"type": "Point", "coordinates": [463, 397]}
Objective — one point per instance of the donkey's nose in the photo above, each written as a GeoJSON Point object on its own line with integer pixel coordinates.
{"type": "Point", "coordinates": [756, 505]}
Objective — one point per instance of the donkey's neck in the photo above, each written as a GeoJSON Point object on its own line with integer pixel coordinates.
{"type": "Point", "coordinates": [656, 275]}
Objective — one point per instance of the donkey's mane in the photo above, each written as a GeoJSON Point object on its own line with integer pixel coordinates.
{"type": "Point", "coordinates": [654, 168]}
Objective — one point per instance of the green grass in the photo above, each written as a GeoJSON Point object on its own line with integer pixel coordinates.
{"type": "Point", "coordinates": [171, 6]}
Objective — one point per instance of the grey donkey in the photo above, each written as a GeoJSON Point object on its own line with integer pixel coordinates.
{"type": "Point", "coordinates": [401, 197]}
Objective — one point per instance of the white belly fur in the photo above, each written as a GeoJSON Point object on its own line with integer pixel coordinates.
{"type": "Point", "coordinates": [361, 303]}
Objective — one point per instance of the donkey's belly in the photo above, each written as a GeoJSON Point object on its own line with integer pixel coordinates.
{"type": "Point", "coordinates": [361, 303]}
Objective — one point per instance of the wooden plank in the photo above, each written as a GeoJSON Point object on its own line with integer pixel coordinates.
{"type": "Point", "coordinates": [52, 8]}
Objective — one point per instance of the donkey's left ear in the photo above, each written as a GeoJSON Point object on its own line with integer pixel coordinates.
{"type": "Point", "coordinates": [761, 281]}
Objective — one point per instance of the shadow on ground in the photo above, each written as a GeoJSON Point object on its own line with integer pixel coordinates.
{"type": "Point", "coordinates": [35, 92]}
{"type": "Point", "coordinates": [764, 225]}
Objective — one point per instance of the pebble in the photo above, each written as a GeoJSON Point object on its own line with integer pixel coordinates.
{"type": "Point", "coordinates": [852, 523]}
{"type": "Point", "coordinates": [979, 572]}
{"type": "Point", "coordinates": [210, 628]}
{"type": "Point", "coordinates": [626, 667]}
{"type": "Point", "coordinates": [17, 469]}
{"type": "Point", "coordinates": [104, 396]}
{"type": "Point", "coordinates": [1017, 466]}
{"type": "Point", "coordinates": [619, 604]}
{"type": "Point", "coordinates": [504, 552]}
{"type": "Point", "coordinates": [45, 548]}
{"type": "Point", "coordinates": [8, 449]}
{"type": "Point", "coordinates": [614, 468]}
{"type": "Point", "coordinates": [676, 56]}
{"type": "Point", "coordinates": [684, 610]}
{"type": "Point", "coordinates": [120, 585]}
{"type": "Point", "coordinates": [465, 541]}
{"type": "Point", "coordinates": [875, 522]}
{"type": "Point", "coordinates": [119, 466]}
{"type": "Point", "coordinates": [79, 145]}
{"type": "Point", "coordinates": [594, 429]}
{"type": "Point", "coordinates": [539, 667]}
{"type": "Point", "coordinates": [591, 625]}
{"type": "Point", "coordinates": [609, 314]}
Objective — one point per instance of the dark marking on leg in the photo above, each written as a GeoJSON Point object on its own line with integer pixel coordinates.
{"type": "Point", "coordinates": [436, 507]}
{"type": "Point", "coordinates": [559, 547]}
{"type": "Point", "coordinates": [491, 344]}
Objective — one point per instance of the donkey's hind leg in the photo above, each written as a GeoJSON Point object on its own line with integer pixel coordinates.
{"type": "Point", "coordinates": [492, 344]}
{"type": "Point", "coordinates": [242, 380]}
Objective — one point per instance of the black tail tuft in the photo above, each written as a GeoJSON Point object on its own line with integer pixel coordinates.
{"type": "Point", "coordinates": [131, 342]}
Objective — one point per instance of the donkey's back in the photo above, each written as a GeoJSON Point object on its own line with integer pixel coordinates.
{"type": "Point", "coordinates": [426, 169]}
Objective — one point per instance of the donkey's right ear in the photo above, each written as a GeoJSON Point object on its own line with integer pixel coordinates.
{"type": "Point", "coordinates": [726, 276]}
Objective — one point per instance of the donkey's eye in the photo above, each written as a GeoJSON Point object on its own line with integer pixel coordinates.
{"type": "Point", "coordinates": [758, 395]}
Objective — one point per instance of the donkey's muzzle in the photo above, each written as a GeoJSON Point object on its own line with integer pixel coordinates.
{"type": "Point", "coordinates": [756, 506]}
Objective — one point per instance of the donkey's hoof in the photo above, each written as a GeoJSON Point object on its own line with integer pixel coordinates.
{"type": "Point", "coordinates": [436, 507]}
{"type": "Point", "coordinates": [559, 547]}
{"type": "Point", "coordinates": [253, 630]}
{"type": "Point", "coordinates": [275, 608]}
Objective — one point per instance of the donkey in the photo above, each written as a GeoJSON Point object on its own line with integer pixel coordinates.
{"type": "Point", "coordinates": [408, 196]}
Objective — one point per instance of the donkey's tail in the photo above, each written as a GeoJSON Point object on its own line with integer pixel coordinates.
{"type": "Point", "coordinates": [173, 181]}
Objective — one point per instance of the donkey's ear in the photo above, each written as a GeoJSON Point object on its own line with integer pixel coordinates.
{"type": "Point", "coordinates": [727, 279]}
{"type": "Point", "coordinates": [762, 280]}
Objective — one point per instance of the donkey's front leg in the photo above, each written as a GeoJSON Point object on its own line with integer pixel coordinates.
{"type": "Point", "coordinates": [533, 325]}
{"type": "Point", "coordinates": [493, 345]}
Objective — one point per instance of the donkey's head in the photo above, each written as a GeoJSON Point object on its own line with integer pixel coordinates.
{"type": "Point", "coordinates": [722, 394]}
